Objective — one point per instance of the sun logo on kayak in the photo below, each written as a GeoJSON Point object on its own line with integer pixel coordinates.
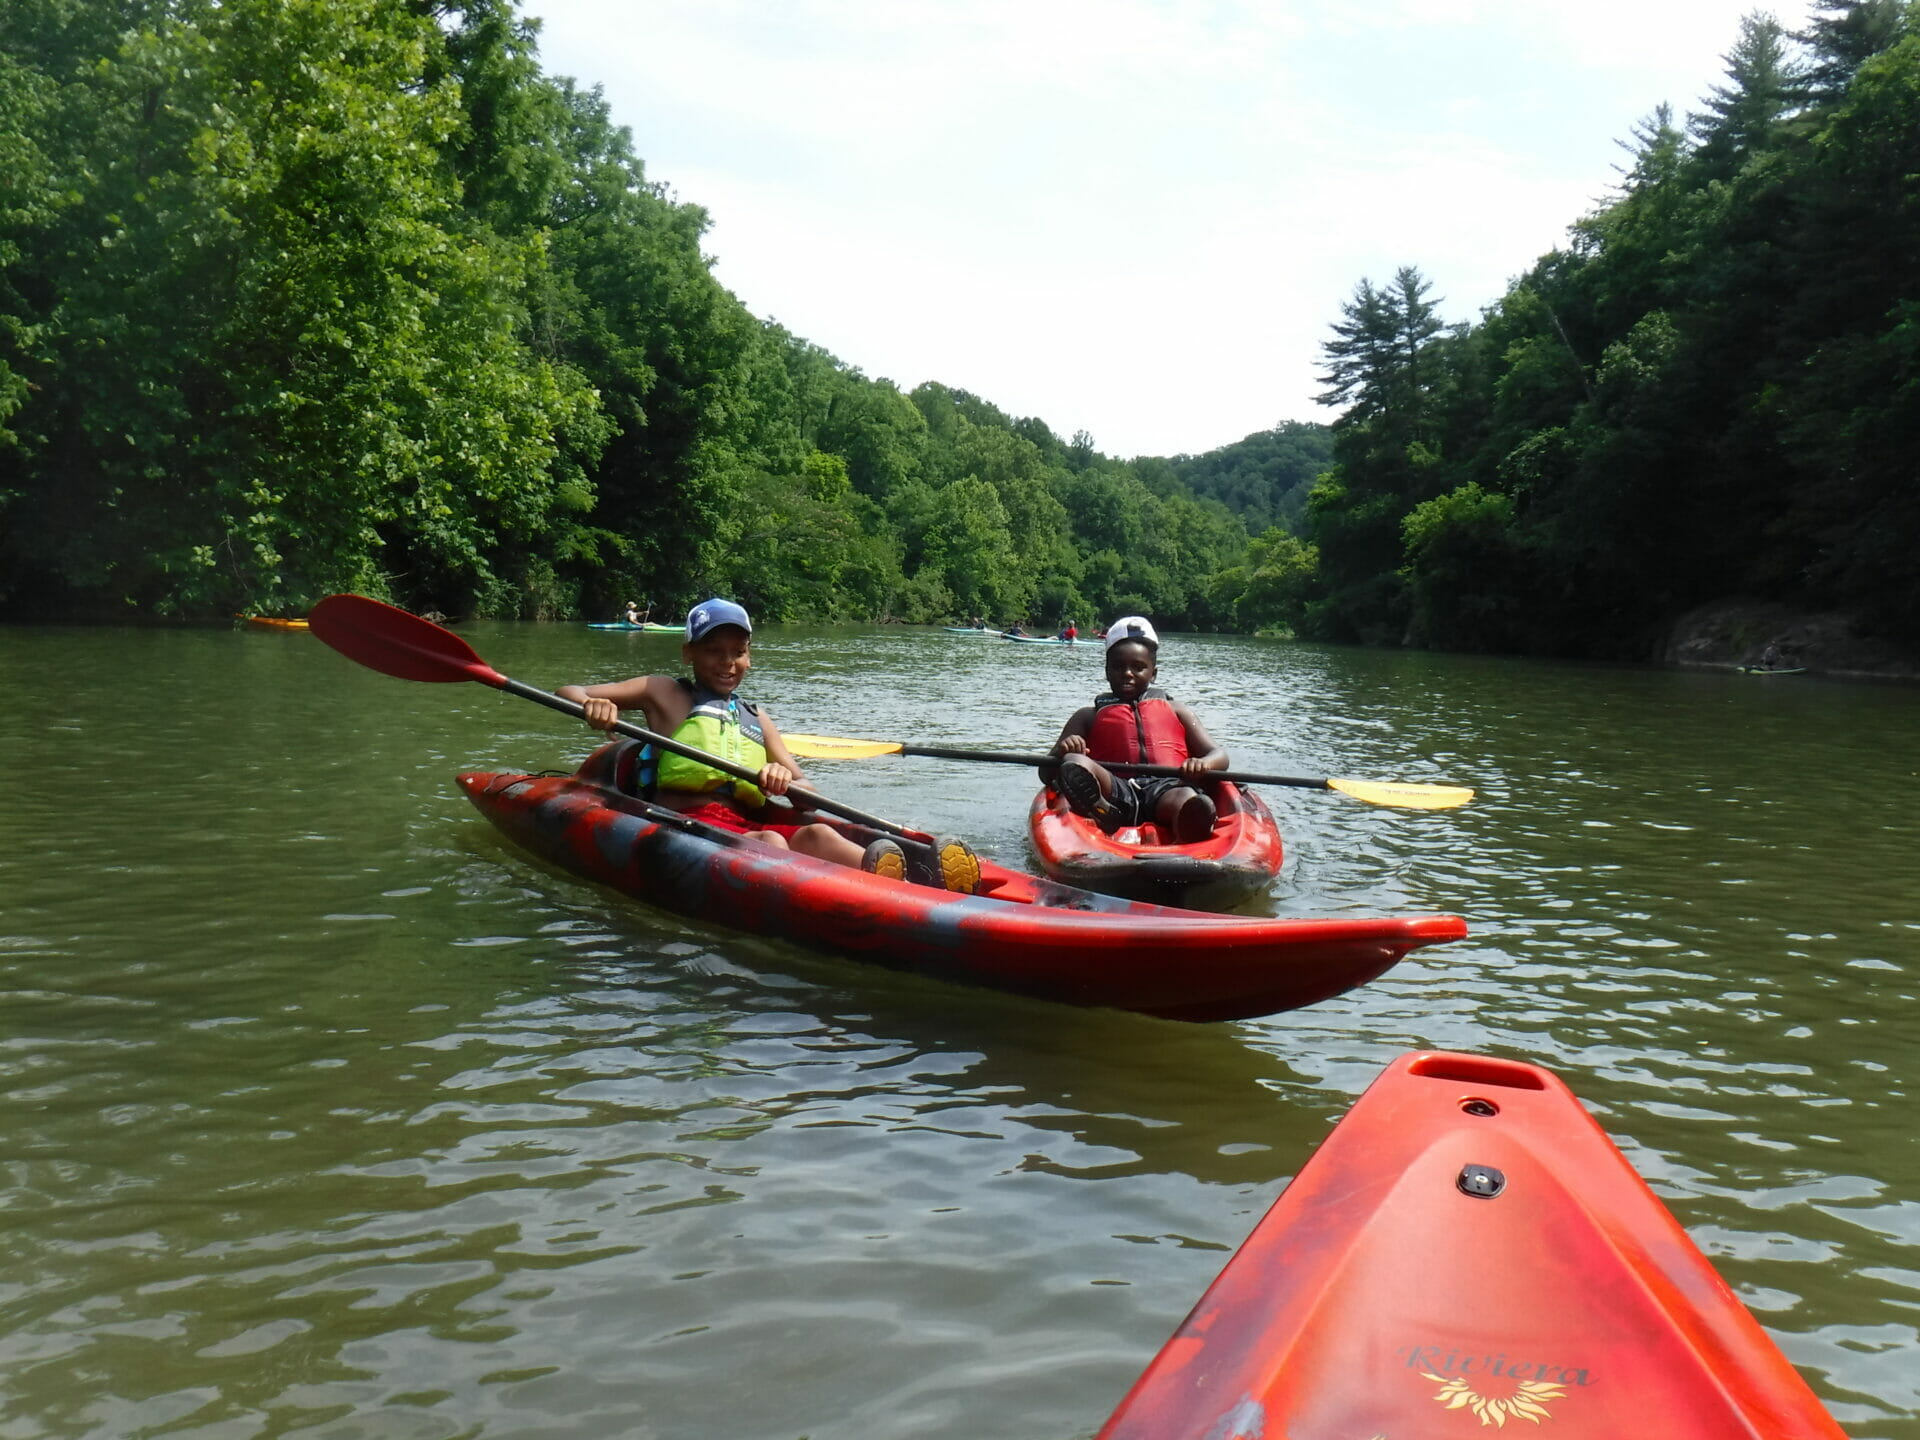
{"type": "Point", "coordinates": [1529, 1400]}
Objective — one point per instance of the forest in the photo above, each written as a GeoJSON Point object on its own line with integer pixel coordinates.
{"type": "Point", "coordinates": [299, 296]}
{"type": "Point", "coordinates": [1713, 390]}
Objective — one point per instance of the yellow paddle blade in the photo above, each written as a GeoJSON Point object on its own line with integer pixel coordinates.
{"type": "Point", "coordinates": [838, 747]}
{"type": "Point", "coordinates": [1406, 796]}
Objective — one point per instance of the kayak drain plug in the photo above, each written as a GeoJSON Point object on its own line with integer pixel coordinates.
{"type": "Point", "coordinates": [1483, 1182]}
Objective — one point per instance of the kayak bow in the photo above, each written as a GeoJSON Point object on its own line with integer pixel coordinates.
{"type": "Point", "coordinates": [1468, 1248]}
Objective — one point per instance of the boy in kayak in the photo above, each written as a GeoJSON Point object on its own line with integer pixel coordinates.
{"type": "Point", "coordinates": [1138, 723]}
{"type": "Point", "coordinates": [706, 713]}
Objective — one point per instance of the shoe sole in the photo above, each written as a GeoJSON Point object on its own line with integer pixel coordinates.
{"type": "Point", "coordinates": [959, 868]}
{"type": "Point", "coordinates": [1084, 797]}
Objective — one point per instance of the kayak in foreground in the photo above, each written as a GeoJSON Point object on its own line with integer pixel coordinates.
{"type": "Point", "coordinates": [1235, 863]}
{"type": "Point", "coordinates": [1018, 933]}
{"type": "Point", "coordinates": [1468, 1248]}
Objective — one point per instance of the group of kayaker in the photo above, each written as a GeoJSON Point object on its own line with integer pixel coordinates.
{"type": "Point", "coordinates": [1132, 722]}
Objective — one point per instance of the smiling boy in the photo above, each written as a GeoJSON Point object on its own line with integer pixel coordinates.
{"type": "Point", "coordinates": [1134, 722]}
{"type": "Point", "coordinates": [706, 712]}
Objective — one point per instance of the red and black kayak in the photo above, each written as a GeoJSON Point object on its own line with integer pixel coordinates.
{"type": "Point", "coordinates": [1467, 1249]}
{"type": "Point", "coordinates": [1018, 932]}
{"type": "Point", "coordinates": [1235, 863]}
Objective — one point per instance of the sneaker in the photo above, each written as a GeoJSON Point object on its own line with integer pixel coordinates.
{"type": "Point", "coordinates": [1082, 790]}
{"type": "Point", "coordinates": [886, 859]}
{"type": "Point", "coordinates": [959, 866]}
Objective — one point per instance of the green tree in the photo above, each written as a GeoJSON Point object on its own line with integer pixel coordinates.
{"type": "Point", "coordinates": [1742, 118]}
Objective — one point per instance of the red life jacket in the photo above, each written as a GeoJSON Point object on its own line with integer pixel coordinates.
{"type": "Point", "coordinates": [1147, 730]}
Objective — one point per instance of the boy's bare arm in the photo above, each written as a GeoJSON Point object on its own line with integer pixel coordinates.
{"type": "Point", "coordinates": [1202, 754]}
{"type": "Point", "coordinates": [1073, 735]}
{"type": "Point", "coordinates": [602, 704]}
{"type": "Point", "coordinates": [781, 769]}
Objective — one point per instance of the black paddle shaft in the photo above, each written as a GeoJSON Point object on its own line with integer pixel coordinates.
{"type": "Point", "coordinates": [806, 797]}
{"type": "Point", "coordinates": [1118, 767]}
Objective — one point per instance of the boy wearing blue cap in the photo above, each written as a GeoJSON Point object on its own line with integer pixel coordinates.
{"type": "Point", "coordinates": [1134, 722]}
{"type": "Point", "coordinates": [706, 712]}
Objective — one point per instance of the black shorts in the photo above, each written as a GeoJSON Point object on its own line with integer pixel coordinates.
{"type": "Point", "coordinates": [1136, 797]}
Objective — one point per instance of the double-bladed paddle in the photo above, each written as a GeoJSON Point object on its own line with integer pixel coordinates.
{"type": "Point", "coordinates": [1404, 794]}
{"type": "Point", "coordinates": [399, 643]}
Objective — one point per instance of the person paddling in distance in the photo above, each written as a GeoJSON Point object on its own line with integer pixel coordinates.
{"type": "Point", "coordinates": [707, 712]}
{"type": "Point", "coordinates": [1135, 722]}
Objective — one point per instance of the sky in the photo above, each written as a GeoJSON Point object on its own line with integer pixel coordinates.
{"type": "Point", "coordinates": [1136, 218]}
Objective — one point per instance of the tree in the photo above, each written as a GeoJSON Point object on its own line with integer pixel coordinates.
{"type": "Point", "coordinates": [1843, 35]}
{"type": "Point", "coordinates": [1742, 118]}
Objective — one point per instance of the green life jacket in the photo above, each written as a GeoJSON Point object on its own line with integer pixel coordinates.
{"type": "Point", "coordinates": [722, 725]}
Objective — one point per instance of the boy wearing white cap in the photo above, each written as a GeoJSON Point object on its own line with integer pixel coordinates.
{"type": "Point", "coordinates": [706, 712]}
{"type": "Point", "coordinates": [1135, 722]}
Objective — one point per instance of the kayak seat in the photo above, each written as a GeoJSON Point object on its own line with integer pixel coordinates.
{"type": "Point", "coordinates": [616, 765]}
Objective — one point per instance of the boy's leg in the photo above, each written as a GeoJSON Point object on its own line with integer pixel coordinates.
{"type": "Point", "coordinates": [1089, 790]}
{"type": "Point", "coordinates": [1185, 814]}
{"type": "Point", "coordinates": [823, 842]}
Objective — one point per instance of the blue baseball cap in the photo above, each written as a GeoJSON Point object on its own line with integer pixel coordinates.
{"type": "Point", "coordinates": [709, 615]}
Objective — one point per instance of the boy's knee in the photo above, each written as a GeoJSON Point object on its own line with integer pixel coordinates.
{"type": "Point", "coordinates": [1194, 820]}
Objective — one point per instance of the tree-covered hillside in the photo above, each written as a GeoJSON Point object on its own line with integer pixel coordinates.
{"type": "Point", "coordinates": [1713, 390]}
{"type": "Point", "coordinates": [308, 295]}
{"type": "Point", "coordinates": [1264, 479]}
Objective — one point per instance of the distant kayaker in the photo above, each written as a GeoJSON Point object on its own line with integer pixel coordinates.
{"type": "Point", "coordinates": [706, 712]}
{"type": "Point", "coordinates": [1135, 722]}
{"type": "Point", "coordinates": [634, 617]}
{"type": "Point", "coordinates": [1770, 657]}
{"type": "Point", "coordinates": [1069, 632]}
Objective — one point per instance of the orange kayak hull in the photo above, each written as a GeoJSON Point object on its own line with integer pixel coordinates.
{"type": "Point", "coordinates": [1383, 1296]}
{"type": "Point", "coordinates": [1232, 865]}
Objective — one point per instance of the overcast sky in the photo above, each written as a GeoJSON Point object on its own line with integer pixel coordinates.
{"type": "Point", "coordinates": [1136, 218]}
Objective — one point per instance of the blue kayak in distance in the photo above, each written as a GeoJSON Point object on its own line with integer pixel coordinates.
{"type": "Point", "coordinates": [1035, 639]}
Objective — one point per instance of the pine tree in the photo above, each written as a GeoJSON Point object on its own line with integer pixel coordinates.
{"type": "Point", "coordinates": [1743, 117]}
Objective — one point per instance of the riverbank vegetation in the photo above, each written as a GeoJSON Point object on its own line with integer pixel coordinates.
{"type": "Point", "coordinates": [1714, 390]}
{"type": "Point", "coordinates": [307, 295]}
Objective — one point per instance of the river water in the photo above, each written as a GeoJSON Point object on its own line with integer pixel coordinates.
{"type": "Point", "coordinates": [328, 1112]}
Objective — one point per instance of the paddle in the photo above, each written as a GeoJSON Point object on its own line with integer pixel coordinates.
{"type": "Point", "coordinates": [1374, 792]}
{"type": "Point", "coordinates": [399, 643]}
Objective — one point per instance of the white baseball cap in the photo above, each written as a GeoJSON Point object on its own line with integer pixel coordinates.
{"type": "Point", "coordinates": [1132, 627]}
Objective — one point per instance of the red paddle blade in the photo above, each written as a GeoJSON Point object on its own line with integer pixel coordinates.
{"type": "Point", "coordinates": [397, 642]}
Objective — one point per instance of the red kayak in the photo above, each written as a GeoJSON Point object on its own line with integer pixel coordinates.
{"type": "Point", "coordinates": [1019, 932]}
{"type": "Point", "coordinates": [1235, 863]}
{"type": "Point", "coordinates": [1468, 1249]}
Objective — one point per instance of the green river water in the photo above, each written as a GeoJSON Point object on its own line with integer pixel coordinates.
{"type": "Point", "coordinates": [327, 1112]}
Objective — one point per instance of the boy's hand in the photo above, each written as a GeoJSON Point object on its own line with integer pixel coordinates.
{"type": "Point", "coordinates": [775, 778]}
{"type": "Point", "coordinates": [1070, 745]}
{"type": "Point", "coordinates": [599, 712]}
